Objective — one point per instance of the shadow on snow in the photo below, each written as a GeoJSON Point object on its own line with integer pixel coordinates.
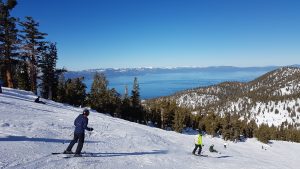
{"type": "Point", "coordinates": [24, 138]}
{"type": "Point", "coordinates": [153, 152]}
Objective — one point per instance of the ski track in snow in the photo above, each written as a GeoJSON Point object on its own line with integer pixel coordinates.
{"type": "Point", "coordinates": [30, 132]}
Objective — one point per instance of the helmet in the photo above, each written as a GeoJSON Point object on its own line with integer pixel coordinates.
{"type": "Point", "coordinates": [86, 112]}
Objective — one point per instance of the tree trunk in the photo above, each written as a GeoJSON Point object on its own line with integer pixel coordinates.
{"type": "Point", "coordinates": [50, 93]}
{"type": "Point", "coordinates": [9, 79]}
{"type": "Point", "coordinates": [33, 77]}
{"type": "Point", "coordinates": [162, 119]}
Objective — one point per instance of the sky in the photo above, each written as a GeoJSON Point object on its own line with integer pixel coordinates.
{"type": "Point", "coordinates": [168, 33]}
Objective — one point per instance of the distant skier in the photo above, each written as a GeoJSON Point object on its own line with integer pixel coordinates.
{"type": "Point", "coordinates": [37, 100]}
{"type": "Point", "coordinates": [211, 149]}
{"type": "Point", "coordinates": [80, 123]}
{"type": "Point", "coordinates": [198, 143]}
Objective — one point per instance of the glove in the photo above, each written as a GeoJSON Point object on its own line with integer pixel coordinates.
{"type": "Point", "coordinates": [91, 129]}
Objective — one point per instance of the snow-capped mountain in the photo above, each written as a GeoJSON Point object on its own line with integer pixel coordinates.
{"type": "Point", "coordinates": [272, 98]}
{"type": "Point", "coordinates": [145, 70]}
{"type": "Point", "coordinates": [30, 132]}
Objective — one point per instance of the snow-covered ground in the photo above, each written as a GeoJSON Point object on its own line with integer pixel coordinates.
{"type": "Point", "coordinates": [30, 132]}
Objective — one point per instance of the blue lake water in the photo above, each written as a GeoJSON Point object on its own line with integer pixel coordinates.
{"type": "Point", "coordinates": [164, 84]}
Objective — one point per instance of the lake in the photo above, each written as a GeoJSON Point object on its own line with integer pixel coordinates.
{"type": "Point", "coordinates": [163, 84]}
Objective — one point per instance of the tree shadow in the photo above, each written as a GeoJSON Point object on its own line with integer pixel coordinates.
{"type": "Point", "coordinates": [18, 97]}
{"type": "Point", "coordinates": [153, 152]}
{"type": "Point", "coordinates": [5, 102]}
{"type": "Point", "coordinates": [223, 156]}
{"type": "Point", "coordinates": [63, 106]}
{"type": "Point", "coordinates": [47, 140]}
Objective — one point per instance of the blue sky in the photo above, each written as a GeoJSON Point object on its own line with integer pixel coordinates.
{"type": "Point", "coordinates": [168, 33]}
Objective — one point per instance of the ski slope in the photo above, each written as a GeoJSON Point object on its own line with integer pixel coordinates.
{"type": "Point", "coordinates": [30, 132]}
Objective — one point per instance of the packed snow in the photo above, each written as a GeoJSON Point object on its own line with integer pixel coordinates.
{"type": "Point", "coordinates": [30, 132]}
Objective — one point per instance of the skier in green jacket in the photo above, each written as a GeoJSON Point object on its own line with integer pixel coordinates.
{"type": "Point", "coordinates": [198, 143]}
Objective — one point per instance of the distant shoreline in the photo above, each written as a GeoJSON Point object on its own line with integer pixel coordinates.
{"type": "Point", "coordinates": [157, 82]}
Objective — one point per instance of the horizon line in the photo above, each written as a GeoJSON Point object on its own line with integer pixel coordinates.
{"type": "Point", "coordinates": [175, 67]}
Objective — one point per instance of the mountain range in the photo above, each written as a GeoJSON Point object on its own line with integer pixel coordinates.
{"type": "Point", "coordinates": [272, 98]}
{"type": "Point", "coordinates": [145, 70]}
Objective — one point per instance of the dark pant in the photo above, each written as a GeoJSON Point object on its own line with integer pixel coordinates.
{"type": "Point", "coordinates": [197, 146]}
{"type": "Point", "coordinates": [77, 137]}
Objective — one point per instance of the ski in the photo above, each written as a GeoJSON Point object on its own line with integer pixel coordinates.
{"type": "Point", "coordinates": [82, 155]}
{"type": "Point", "coordinates": [201, 155]}
{"type": "Point", "coordinates": [60, 153]}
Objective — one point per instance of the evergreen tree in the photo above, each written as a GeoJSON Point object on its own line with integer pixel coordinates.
{"type": "Point", "coordinates": [99, 96]}
{"type": "Point", "coordinates": [179, 119]}
{"type": "Point", "coordinates": [48, 69]}
{"type": "Point", "coordinates": [8, 42]}
{"type": "Point", "coordinates": [22, 76]}
{"type": "Point", "coordinates": [114, 104]}
{"type": "Point", "coordinates": [60, 95]}
{"type": "Point", "coordinates": [227, 130]}
{"type": "Point", "coordinates": [153, 114]}
{"type": "Point", "coordinates": [125, 109]}
{"type": "Point", "coordinates": [263, 133]}
{"type": "Point", "coordinates": [250, 129]}
{"type": "Point", "coordinates": [32, 45]}
{"type": "Point", "coordinates": [212, 124]}
{"type": "Point", "coordinates": [135, 98]}
{"type": "Point", "coordinates": [137, 111]}
{"type": "Point", "coordinates": [75, 92]}
{"type": "Point", "coordinates": [168, 109]}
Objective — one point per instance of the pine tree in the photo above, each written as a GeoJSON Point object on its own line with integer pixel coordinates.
{"type": "Point", "coordinates": [114, 104]}
{"type": "Point", "coordinates": [125, 106]}
{"type": "Point", "coordinates": [137, 111]}
{"type": "Point", "coordinates": [135, 98]}
{"type": "Point", "coordinates": [263, 133]}
{"type": "Point", "coordinates": [48, 69]}
{"type": "Point", "coordinates": [179, 119]}
{"type": "Point", "coordinates": [227, 130]}
{"type": "Point", "coordinates": [99, 96]}
{"type": "Point", "coordinates": [32, 43]}
{"type": "Point", "coordinates": [125, 109]}
{"type": "Point", "coordinates": [168, 109]}
{"type": "Point", "coordinates": [8, 41]}
{"type": "Point", "coordinates": [60, 95]}
{"type": "Point", "coordinates": [75, 91]}
{"type": "Point", "coordinates": [22, 76]}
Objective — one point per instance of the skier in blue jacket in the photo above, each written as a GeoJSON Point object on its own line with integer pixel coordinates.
{"type": "Point", "coordinates": [80, 123]}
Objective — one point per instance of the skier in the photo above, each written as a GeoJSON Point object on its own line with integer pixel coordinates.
{"type": "Point", "coordinates": [225, 145]}
{"type": "Point", "coordinates": [211, 149]}
{"type": "Point", "coordinates": [80, 123]}
{"type": "Point", "coordinates": [198, 143]}
{"type": "Point", "coordinates": [37, 100]}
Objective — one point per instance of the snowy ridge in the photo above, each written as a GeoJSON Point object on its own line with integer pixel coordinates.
{"type": "Point", "coordinates": [196, 99]}
{"type": "Point", "coordinates": [29, 132]}
{"type": "Point", "coordinates": [271, 113]}
{"type": "Point", "coordinates": [271, 99]}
